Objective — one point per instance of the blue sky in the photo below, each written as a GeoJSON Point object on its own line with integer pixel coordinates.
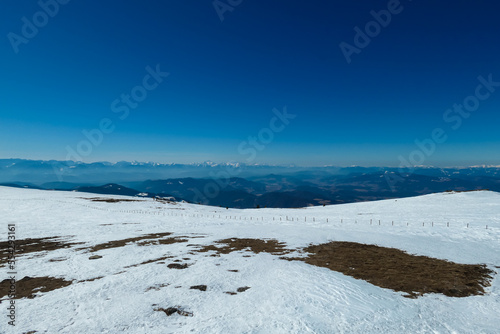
{"type": "Point", "coordinates": [226, 77]}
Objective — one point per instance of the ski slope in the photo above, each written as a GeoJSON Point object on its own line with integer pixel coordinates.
{"type": "Point", "coordinates": [284, 296]}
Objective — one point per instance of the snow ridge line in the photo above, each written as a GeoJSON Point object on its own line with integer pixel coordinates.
{"type": "Point", "coordinates": [372, 222]}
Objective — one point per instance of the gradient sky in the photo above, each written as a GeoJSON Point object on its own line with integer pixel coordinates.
{"type": "Point", "coordinates": [227, 76]}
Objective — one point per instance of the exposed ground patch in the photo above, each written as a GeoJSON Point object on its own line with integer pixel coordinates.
{"type": "Point", "coordinates": [25, 246]}
{"type": "Point", "coordinates": [227, 246]}
{"type": "Point", "coordinates": [143, 240]}
{"type": "Point", "coordinates": [150, 261]}
{"type": "Point", "coordinates": [91, 279]}
{"type": "Point", "coordinates": [157, 287]}
{"type": "Point", "coordinates": [178, 265]}
{"type": "Point", "coordinates": [111, 200]}
{"type": "Point", "coordinates": [394, 269]}
{"type": "Point", "coordinates": [173, 310]}
{"type": "Point", "coordinates": [167, 241]}
{"type": "Point", "coordinates": [381, 266]}
{"type": "Point", "coordinates": [29, 286]}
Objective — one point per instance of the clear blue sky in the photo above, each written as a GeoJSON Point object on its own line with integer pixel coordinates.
{"type": "Point", "coordinates": [225, 78]}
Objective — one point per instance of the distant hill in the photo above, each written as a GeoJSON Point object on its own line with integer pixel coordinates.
{"type": "Point", "coordinates": [254, 186]}
{"type": "Point", "coordinates": [109, 189]}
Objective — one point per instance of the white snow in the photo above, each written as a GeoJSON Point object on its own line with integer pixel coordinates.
{"type": "Point", "coordinates": [284, 296]}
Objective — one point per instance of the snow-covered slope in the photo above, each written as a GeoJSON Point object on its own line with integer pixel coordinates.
{"type": "Point", "coordinates": [284, 296]}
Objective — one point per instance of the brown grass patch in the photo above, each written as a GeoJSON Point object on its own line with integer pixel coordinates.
{"type": "Point", "coordinates": [28, 286]}
{"type": "Point", "coordinates": [111, 200]}
{"type": "Point", "coordinates": [389, 268]}
{"type": "Point", "coordinates": [150, 261]}
{"type": "Point", "coordinates": [26, 246]}
{"type": "Point", "coordinates": [397, 270]}
{"type": "Point", "coordinates": [172, 310]}
{"type": "Point", "coordinates": [123, 242]}
{"type": "Point", "coordinates": [157, 287]}
{"type": "Point", "coordinates": [227, 246]}
{"type": "Point", "coordinates": [167, 241]}
{"type": "Point", "coordinates": [91, 279]}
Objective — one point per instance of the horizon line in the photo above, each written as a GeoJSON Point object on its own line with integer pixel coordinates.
{"type": "Point", "coordinates": [287, 165]}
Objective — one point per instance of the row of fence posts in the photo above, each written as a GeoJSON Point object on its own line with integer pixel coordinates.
{"type": "Point", "coordinates": [257, 218]}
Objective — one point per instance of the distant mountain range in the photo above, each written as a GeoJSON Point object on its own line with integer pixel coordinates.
{"type": "Point", "coordinates": [40, 171]}
{"type": "Point", "coordinates": [254, 186]}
